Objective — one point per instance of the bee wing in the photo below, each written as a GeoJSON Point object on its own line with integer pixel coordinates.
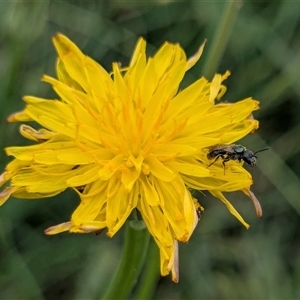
{"type": "Point", "coordinates": [222, 147]}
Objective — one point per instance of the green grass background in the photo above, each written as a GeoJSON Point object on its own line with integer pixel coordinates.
{"type": "Point", "coordinates": [222, 260]}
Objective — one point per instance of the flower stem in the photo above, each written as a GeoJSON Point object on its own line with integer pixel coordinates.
{"type": "Point", "coordinates": [221, 38]}
{"type": "Point", "coordinates": [134, 253]}
{"type": "Point", "coordinates": [151, 276]}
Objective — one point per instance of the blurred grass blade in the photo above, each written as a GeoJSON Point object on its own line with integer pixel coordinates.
{"type": "Point", "coordinates": [221, 38]}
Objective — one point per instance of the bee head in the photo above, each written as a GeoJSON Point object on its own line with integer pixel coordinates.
{"type": "Point", "coordinates": [250, 158]}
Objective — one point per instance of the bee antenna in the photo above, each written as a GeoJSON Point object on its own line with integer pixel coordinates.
{"type": "Point", "coordinates": [262, 150]}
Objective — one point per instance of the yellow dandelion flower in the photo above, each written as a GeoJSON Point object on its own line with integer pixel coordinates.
{"type": "Point", "coordinates": [130, 140]}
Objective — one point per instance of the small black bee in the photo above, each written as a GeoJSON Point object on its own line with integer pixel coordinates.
{"type": "Point", "coordinates": [233, 152]}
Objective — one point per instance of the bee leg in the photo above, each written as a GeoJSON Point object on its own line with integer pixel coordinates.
{"type": "Point", "coordinates": [217, 157]}
{"type": "Point", "coordinates": [225, 160]}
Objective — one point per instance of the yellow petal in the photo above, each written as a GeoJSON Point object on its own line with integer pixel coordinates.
{"type": "Point", "coordinates": [177, 206]}
{"type": "Point", "coordinates": [193, 59]}
{"type": "Point", "coordinates": [174, 263]}
{"type": "Point", "coordinates": [149, 191]}
{"type": "Point", "coordinates": [158, 169]}
{"type": "Point", "coordinates": [6, 193]}
{"type": "Point", "coordinates": [58, 228]}
{"type": "Point", "coordinates": [118, 211]}
{"type": "Point", "coordinates": [230, 208]}
{"type": "Point", "coordinates": [20, 116]}
{"type": "Point", "coordinates": [72, 59]}
{"type": "Point", "coordinates": [93, 226]}
{"type": "Point", "coordinates": [140, 49]}
{"type": "Point", "coordinates": [36, 135]}
{"type": "Point", "coordinates": [129, 177]}
{"type": "Point", "coordinates": [189, 169]}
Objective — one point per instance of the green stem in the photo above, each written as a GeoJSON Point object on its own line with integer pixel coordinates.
{"type": "Point", "coordinates": [151, 275]}
{"type": "Point", "coordinates": [221, 38]}
{"type": "Point", "coordinates": [134, 253]}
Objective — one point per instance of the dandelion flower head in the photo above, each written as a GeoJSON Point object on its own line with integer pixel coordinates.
{"type": "Point", "coordinates": [129, 139]}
